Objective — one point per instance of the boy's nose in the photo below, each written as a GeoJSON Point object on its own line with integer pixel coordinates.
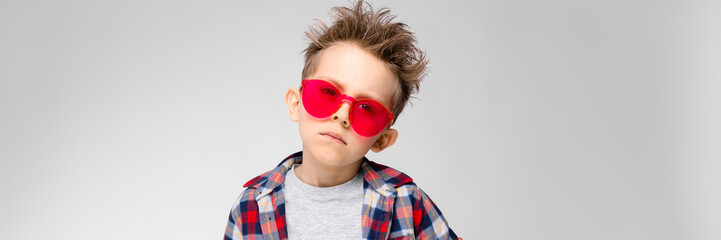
{"type": "Point", "coordinates": [341, 115]}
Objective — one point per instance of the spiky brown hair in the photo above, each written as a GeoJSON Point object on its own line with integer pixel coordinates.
{"type": "Point", "coordinates": [377, 33]}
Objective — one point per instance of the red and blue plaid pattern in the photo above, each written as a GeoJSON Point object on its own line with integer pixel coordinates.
{"type": "Point", "coordinates": [393, 207]}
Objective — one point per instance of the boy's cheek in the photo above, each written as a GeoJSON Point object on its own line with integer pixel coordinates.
{"type": "Point", "coordinates": [365, 141]}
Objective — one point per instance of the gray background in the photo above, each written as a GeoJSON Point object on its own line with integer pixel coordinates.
{"type": "Point", "coordinates": [539, 119]}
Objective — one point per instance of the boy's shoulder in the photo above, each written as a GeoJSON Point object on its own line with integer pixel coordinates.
{"type": "Point", "coordinates": [277, 173]}
{"type": "Point", "coordinates": [381, 177]}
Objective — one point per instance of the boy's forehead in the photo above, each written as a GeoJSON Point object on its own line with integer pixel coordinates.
{"type": "Point", "coordinates": [356, 72]}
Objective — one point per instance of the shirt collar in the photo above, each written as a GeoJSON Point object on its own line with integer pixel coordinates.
{"type": "Point", "coordinates": [381, 178]}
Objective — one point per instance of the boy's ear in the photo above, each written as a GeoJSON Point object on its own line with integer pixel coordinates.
{"type": "Point", "coordinates": [387, 139]}
{"type": "Point", "coordinates": [292, 101]}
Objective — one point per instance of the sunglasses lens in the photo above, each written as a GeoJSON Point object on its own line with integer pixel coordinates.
{"type": "Point", "coordinates": [368, 118]}
{"type": "Point", "coordinates": [320, 98]}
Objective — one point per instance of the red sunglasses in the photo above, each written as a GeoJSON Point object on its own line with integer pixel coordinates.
{"type": "Point", "coordinates": [321, 99]}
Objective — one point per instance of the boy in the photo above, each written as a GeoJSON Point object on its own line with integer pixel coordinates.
{"type": "Point", "coordinates": [358, 75]}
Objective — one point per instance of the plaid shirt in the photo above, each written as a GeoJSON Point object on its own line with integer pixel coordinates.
{"type": "Point", "coordinates": [393, 206]}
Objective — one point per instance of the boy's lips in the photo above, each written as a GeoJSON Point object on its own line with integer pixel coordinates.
{"type": "Point", "coordinates": [334, 136]}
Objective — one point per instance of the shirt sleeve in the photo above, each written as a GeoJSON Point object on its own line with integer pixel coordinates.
{"type": "Point", "coordinates": [415, 212]}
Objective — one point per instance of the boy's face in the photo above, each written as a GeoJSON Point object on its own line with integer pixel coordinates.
{"type": "Point", "coordinates": [331, 141]}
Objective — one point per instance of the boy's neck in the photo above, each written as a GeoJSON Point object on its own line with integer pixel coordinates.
{"type": "Point", "coordinates": [317, 175]}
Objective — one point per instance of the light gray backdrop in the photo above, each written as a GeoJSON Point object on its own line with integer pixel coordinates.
{"type": "Point", "coordinates": [539, 119]}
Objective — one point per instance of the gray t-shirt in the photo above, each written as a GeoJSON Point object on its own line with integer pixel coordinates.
{"type": "Point", "coordinates": [323, 213]}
